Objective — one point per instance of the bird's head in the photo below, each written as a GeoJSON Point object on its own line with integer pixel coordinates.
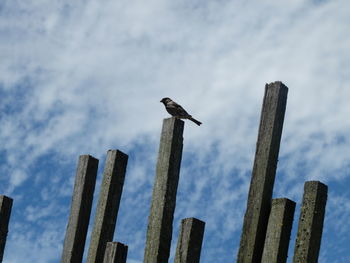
{"type": "Point", "coordinates": [165, 100]}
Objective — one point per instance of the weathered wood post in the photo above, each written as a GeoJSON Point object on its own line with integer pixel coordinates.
{"type": "Point", "coordinates": [190, 239]}
{"type": "Point", "coordinates": [84, 186]}
{"type": "Point", "coordinates": [116, 252]}
{"type": "Point", "coordinates": [160, 221]}
{"type": "Point", "coordinates": [263, 175]}
{"type": "Point", "coordinates": [5, 213]}
{"type": "Point", "coordinates": [308, 241]}
{"type": "Point", "coordinates": [108, 205]}
{"type": "Point", "coordinates": [278, 231]}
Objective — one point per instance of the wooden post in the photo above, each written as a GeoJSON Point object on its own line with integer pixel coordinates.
{"type": "Point", "coordinates": [160, 221]}
{"type": "Point", "coordinates": [278, 231]}
{"type": "Point", "coordinates": [190, 239]}
{"type": "Point", "coordinates": [84, 186]}
{"type": "Point", "coordinates": [308, 241]}
{"type": "Point", "coordinates": [5, 213]}
{"type": "Point", "coordinates": [116, 252]}
{"type": "Point", "coordinates": [263, 175]}
{"type": "Point", "coordinates": [108, 205]}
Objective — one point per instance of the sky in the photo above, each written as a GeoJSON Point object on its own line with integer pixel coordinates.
{"type": "Point", "coordinates": [85, 76]}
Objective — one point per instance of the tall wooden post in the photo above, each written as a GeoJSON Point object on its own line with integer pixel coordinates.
{"type": "Point", "coordinates": [263, 175]}
{"type": "Point", "coordinates": [116, 252]}
{"type": "Point", "coordinates": [278, 231]}
{"type": "Point", "coordinates": [5, 213]}
{"type": "Point", "coordinates": [189, 244]}
{"type": "Point", "coordinates": [160, 221]}
{"type": "Point", "coordinates": [308, 242]}
{"type": "Point", "coordinates": [84, 186]}
{"type": "Point", "coordinates": [108, 205]}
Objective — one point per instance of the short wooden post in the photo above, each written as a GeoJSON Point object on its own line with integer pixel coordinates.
{"type": "Point", "coordinates": [5, 213]}
{"type": "Point", "coordinates": [116, 252]}
{"type": "Point", "coordinates": [190, 239]}
{"type": "Point", "coordinates": [308, 241]}
{"type": "Point", "coordinates": [160, 221]}
{"type": "Point", "coordinates": [278, 231]}
{"type": "Point", "coordinates": [108, 204]}
{"type": "Point", "coordinates": [84, 186]}
{"type": "Point", "coordinates": [263, 175]}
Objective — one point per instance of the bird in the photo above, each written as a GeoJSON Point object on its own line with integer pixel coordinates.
{"type": "Point", "coordinates": [177, 111]}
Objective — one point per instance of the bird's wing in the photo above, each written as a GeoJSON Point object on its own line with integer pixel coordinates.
{"type": "Point", "coordinates": [176, 109]}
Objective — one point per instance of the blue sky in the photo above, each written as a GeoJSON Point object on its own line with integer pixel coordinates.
{"type": "Point", "coordinates": [86, 76]}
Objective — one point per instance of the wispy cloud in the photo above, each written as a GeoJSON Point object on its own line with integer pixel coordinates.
{"type": "Point", "coordinates": [87, 76]}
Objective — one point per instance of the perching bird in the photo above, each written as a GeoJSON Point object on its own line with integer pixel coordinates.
{"type": "Point", "coordinates": [177, 111]}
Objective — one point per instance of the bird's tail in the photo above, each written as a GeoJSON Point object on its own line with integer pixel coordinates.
{"type": "Point", "coordinates": [195, 121]}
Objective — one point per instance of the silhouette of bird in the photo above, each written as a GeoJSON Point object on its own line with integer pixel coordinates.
{"type": "Point", "coordinates": [177, 111]}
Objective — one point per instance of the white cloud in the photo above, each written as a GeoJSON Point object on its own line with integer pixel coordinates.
{"type": "Point", "coordinates": [87, 76]}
